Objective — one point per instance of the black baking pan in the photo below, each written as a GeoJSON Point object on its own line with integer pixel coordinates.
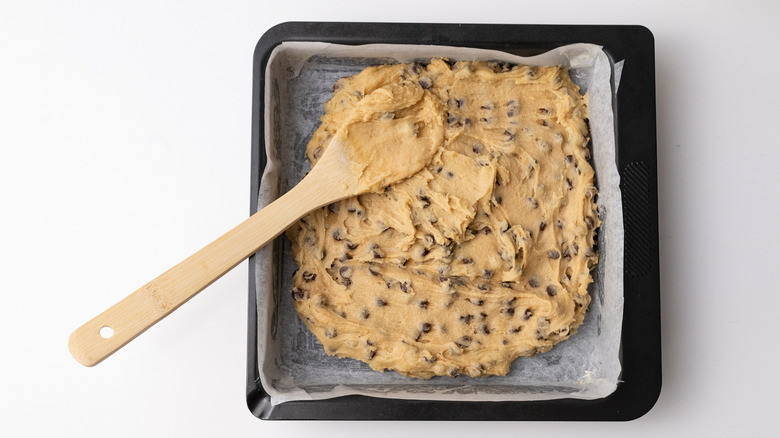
{"type": "Point", "coordinates": [640, 381]}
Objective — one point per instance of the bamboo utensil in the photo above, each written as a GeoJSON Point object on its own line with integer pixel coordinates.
{"type": "Point", "coordinates": [356, 160]}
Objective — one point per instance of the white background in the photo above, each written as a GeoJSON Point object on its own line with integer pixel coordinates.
{"type": "Point", "coordinates": [125, 146]}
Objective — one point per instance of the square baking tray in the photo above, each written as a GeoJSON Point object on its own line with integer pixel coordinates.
{"type": "Point", "coordinates": [634, 111]}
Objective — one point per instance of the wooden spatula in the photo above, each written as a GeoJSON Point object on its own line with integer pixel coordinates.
{"type": "Point", "coordinates": [347, 167]}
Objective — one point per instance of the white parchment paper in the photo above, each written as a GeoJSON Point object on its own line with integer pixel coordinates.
{"type": "Point", "coordinates": [294, 366]}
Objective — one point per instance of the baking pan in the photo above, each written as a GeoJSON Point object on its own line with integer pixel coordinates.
{"type": "Point", "coordinates": [634, 109]}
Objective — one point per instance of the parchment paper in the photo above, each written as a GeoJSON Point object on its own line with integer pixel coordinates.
{"type": "Point", "coordinates": [294, 366]}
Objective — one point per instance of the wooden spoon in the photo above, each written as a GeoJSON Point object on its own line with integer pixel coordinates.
{"type": "Point", "coordinates": [355, 161]}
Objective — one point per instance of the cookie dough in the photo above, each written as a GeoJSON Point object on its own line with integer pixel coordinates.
{"type": "Point", "coordinates": [480, 257]}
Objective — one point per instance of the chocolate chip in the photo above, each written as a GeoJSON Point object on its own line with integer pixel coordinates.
{"type": "Point", "coordinates": [380, 302]}
{"type": "Point", "coordinates": [337, 235]}
{"type": "Point", "coordinates": [476, 148]}
{"type": "Point", "coordinates": [570, 159]}
{"type": "Point", "coordinates": [539, 335]}
{"type": "Point", "coordinates": [463, 342]}
{"type": "Point", "coordinates": [333, 208]}
{"type": "Point", "coordinates": [486, 107]}
{"type": "Point", "coordinates": [505, 342]}
{"type": "Point", "coordinates": [467, 261]}
{"type": "Point", "coordinates": [425, 83]}
{"type": "Point", "coordinates": [308, 276]}
{"type": "Point", "coordinates": [309, 241]}
{"type": "Point", "coordinates": [543, 122]}
{"type": "Point", "coordinates": [544, 111]}
{"type": "Point", "coordinates": [569, 184]}
{"type": "Point", "coordinates": [508, 311]}
{"type": "Point", "coordinates": [371, 354]}
{"type": "Point", "coordinates": [484, 329]}
{"type": "Point", "coordinates": [482, 287]}
{"type": "Point", "coordinates": [553, 254]}
{"type": "Point", "coordinates": [365, 314]}
{"type": "Point", "coordinates": [551, 291]}
{"type": "Point", "coordinates": [297, 294]}
{"type": "Point", "coordinates": [566, 253]}
{"type": "Point", "coordinates": [476, 301]}
{"type": "Point", "coordinates": [351, 246]}
{"type": "Point", "coordinates": [528, 314]}
{"type": "Point", "coordinates": [466, 319]}
{"type": "Point", "coordinates": [510, 113]}
{"type": "Point", "coordinates": [516, 329]}
{"type": "Point", "coordinates": [542, 225]}
{"type": "Point", "coordinates": [404, 287]}
{"type": "Point", "coordinates": [499, 199]}
{"type": "Point", "coordinates": [590, 222]}
{"type": "Point", "coordinates": [317, 153]}
{"type": "Point", "coordinates": [426, 327]}
{"type": "Point", "coordinates": [533, 202]}
{"type": "Point", "coordinates": [345, 271]}
{"type": "Point", "coordinates": [533, 282]}
{"type": "Point", "coordinates": [416, 68]}
{"type": "Point", "coordinates": [559, 224]}
{"type": "Point", "coordinates": [423, 304]}
{"type": "Point", "coordinates": [346, 282]}
{"type": "Point", "coordinates": [507, 284]}
{"type": "Point", "coordinates": [487, 274]}
{"type": "Point", "coordinates": [451, 119]}
{"type": "Point", "coordinates": [450, 174]}
{"type": "Point", "coordinates": [461, 102]}
{"type": "Point", "coordinates": [510, 136]}
{"type": "Point", "coordinates": [487, 230]}
{"type": "Point", "coordinates": [426, 201]}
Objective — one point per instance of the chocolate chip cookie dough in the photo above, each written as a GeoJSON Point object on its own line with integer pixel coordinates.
{"type": "Point", "coordinates": [483, 255]}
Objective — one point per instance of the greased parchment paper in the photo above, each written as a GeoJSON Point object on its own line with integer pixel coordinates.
{"type": "Point", "coordinates": [294, 366]}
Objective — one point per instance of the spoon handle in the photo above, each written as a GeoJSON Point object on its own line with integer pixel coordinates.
{"type": "Point", "coordinates": [124, 321]}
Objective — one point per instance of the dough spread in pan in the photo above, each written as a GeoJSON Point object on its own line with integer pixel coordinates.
{"type": "Point", "coordinates": [482, 256]}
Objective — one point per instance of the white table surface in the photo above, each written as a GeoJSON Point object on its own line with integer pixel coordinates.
{"type": "Point", "coordinates": [124, 136]}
